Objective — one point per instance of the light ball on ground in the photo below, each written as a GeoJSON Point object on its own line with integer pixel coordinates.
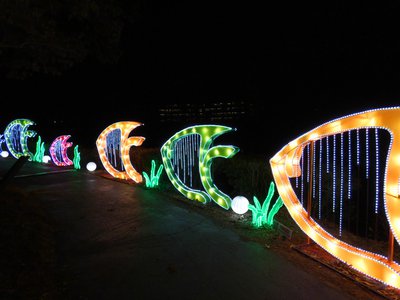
{"type": "Point", "coordinates": [46, 159]}
{"type": "Point", "coordinates": [240, 205]}
{"type": "Point", "coordinates": [91, 166]}
{"type": "Point", "coordinates": [4, 154]}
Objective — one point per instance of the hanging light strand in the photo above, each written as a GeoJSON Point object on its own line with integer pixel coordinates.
{"type": "Point", "coordinates": [376, 171]}
{"type": "Point", "coordinates": [327, 154]}
{"type": "Point", "coordinates": [349, 170]}
{"type": "Point", "coordinates": [366, 154]}
{"type": "Point", "coordinates": [320, 180]}
{"type": "Point", "coordinates": [341, 184]}
{"type": "Point", "coordinates": [334, 175]}
{"type": "Point", "coordinates": [358, 147]}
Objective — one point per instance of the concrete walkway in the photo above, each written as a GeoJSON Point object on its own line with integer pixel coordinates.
{"type": "Point", "coordinates": [118, 241]}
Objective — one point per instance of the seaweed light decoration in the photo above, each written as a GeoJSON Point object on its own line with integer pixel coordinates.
{"type": "Point", "coordinates": [39, 154]}
{"type": "Point", "coordinates": [113, 146]}
{"type": "Point", "coordinates": [153, 180]}
{"type": "Point", "coordinates": [288, 163]}
{"type": "Point", "coordinates": [192, 146]}
{"type": "Point", "coordinates": [77, 158]}
{"type": "Point", "coordinates": [58, 151]}
{"type": "Point", "coordinates": [16, 136]}
{"type": "Point", "coordinates": [261, 213]}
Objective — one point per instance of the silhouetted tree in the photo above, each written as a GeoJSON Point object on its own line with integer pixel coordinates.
{"type": "Point", "coordinates": [51, 36]}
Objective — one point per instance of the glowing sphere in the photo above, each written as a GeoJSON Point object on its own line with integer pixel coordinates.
{"type": "Point", "coordinates": [4, 154]}
{"type": "Point", "coordinates": [240, 205]}
{"type": "Point", "coordinates": [91, 166]}
{"type": "Point", "coordinates": [46, 159]}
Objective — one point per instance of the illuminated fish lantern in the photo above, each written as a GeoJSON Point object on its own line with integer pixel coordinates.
{"type": "Point", "coordinates": [190, 149]}
{"type": "Point", "coordinates": [58, 151]}
{"type": "Point", "coordinates": [335, 153]}
{"type": "Point", "coordinates": [113, 146]}
{"type": "Point", "coordinates": [16, 135]}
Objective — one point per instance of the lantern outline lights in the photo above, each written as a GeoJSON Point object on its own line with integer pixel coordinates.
{"type": "Point", "coordinates": [207, 134]}
{"type": "Point", "coordinates": [60, 145]}
{"type": "Point", "coordinates": [285, 165]}
{"type": "Point", "coordinates": [126, 142]}
{"type": "Point", "coordinates": [16, 135]}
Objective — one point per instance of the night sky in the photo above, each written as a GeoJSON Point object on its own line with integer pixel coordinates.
{"type": "Point", "coordinates": [329, 60]}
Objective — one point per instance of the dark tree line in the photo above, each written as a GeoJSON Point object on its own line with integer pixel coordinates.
{"type": "Point", "coordinates": [51, 36]}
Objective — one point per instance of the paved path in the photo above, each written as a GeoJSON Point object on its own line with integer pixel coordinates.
{"type": "Point", "coordinates": [118, 241]}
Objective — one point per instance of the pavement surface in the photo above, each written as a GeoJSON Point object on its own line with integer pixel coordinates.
{"type": "Point", "coordinates": [121, 241]}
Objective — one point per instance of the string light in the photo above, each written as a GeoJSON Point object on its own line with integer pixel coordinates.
{"type": "Point", "coordinates": [320, 181]}
{"type": "Point", "coordinates": [376, 171]}
{"type": "Point", "coordinates": [334, 175]}
{"type": "Point", "coordinates": [358, 147]}
{"type": "Point", "coordinates": [313, 171]}
{"type": "Point", "coordinates": [349, 171]}
{"type": "Point", "coordinates": [302, 179]}
{"type": "Point", "coordinates": [341, 184]}
{"type": "Point", "coordinates": [308, 163]}
{"type": "Point", "coordinates": [366, 154]}
{"type": "Point", "coordinates": [327, 154]}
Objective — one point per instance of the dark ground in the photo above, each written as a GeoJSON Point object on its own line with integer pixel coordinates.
{"type": "Point", "coordinates": [34, 266]}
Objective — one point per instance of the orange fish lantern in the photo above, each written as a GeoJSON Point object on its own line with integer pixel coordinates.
{"type": "Point", "coordinates": [288, 165]}
{"type": "Point", "coordinates": [113, 145]}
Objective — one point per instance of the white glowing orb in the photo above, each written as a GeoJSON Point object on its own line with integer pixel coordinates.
{"type": "Point", "coordinates": [240, 205]}
{"type": "Point", "coordinates": [91, 166]}
{"type": "Point", "coordinates": [46, 159]}
{"type": "Point", "coordinates": [4, 154]}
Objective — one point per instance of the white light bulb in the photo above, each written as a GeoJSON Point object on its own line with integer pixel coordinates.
{"type": "Point", "coordinates": [4, 154]}
{"type": "Point", "coordinates": [91, 166]}
{"type": "Point", "coordinates": [46, 159]}
{"type": "Point", "coordinates": [240, 205]}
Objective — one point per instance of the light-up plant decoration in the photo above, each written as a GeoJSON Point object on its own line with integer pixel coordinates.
{"type": "Point", "coordinates": [16, 135]}
{"type": "Point", "coordinates": [183, 146]}
{"type": "Point", "coordinates": [58, 151]}
{"type": "Point", "coordinates": [261, 215]}
{"type": "Point", "coordinates": [38, 157]}
{"type": "Point", "coordinates": [286, 164]}
{"type": "Point", "coordinates": [153, 180]}
{"type": "Point", "coordinates": [77, 158]}
{"type": "Point", "coordinates": [113, 144]}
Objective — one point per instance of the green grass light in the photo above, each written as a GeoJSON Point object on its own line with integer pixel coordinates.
{"type": "Point", "coordinates": [260, 213]}
{"type": "Point", "coordinates": [77, 158]}
{"type": "Point", "coordinates": [153, 180]}
{"type": "Point", "coordinates": [38, 157]}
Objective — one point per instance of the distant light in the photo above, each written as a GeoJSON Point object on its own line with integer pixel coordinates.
{"type": "Point", "coordinates": [91, 166]}
{"type": "Point", "coordinates": [4, 154]}
{"type": "Point", "coordinates": [240, 205]}
{"type": "Point", "coordinates": [46, 159]}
